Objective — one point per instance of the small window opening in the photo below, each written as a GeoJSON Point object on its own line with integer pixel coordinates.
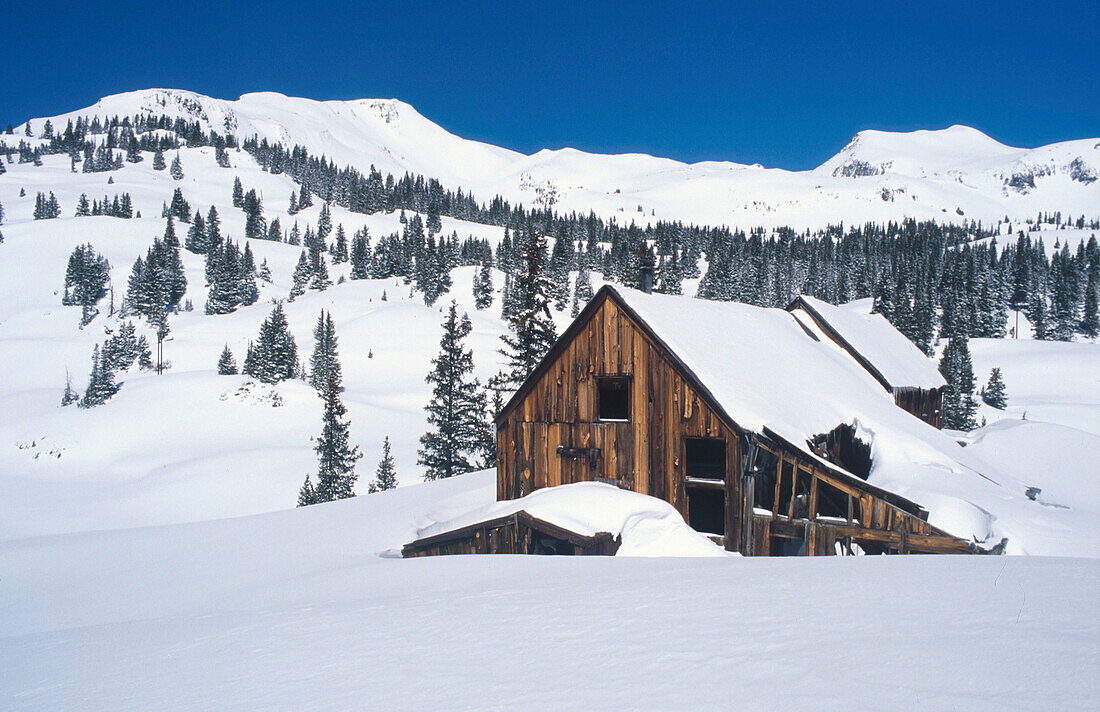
{"type": "Point", "coordinates": [764, 482]}
{"type": "Point", "coordinates": [613, 398]}
{"type": "Point", "coordinates": [707, 510]}
{"type": "Point", "coordinates": [705, 458]}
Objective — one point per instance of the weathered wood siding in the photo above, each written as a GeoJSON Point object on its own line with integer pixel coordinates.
{"type": "Point", "coordinates": [645, 454]}
{"type": "Point", "coordinates": [924, 403]}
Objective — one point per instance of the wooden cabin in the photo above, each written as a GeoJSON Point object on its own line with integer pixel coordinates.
{"type": "Point", "coordinates": [614, 402]}
{"type": "Point", "coordinates": [885, 353]}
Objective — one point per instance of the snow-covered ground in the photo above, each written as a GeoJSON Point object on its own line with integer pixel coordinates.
{"type": "Point", "coordinates": [295, 610]}
{"type": "Point", "coordinates": [150, 558]}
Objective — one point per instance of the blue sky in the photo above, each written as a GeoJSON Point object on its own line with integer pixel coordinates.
{"type": "Point", "coordinates": [784, 86]}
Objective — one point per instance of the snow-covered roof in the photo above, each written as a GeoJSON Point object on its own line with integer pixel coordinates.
{"type": "Point", "coordinates": [886, 350]}
{"type": "Point", "coordinates": [648, 526]}
{"type": "Point", "coordinates": [766, 370]}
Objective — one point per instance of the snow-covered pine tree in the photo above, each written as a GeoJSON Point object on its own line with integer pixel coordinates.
{"type": "Point", "coordinates": [483, 287]}
{"type": "Point", "coordinates": [531, 328]}
{"type": "Point", "coordinates": [227, 365]}
{"type": "Point", "coordinates": [238, 193]}
{"type": "Point", "coordinates": [69, 396]}
{"type": "Point", "coordinates": [302, 275]}
{"type": "Point", "coordinates": [582, 291]}
{"type": "Point", "coordinates": [324, 225]}
{"type": "Point", "coordinates": [101, 383]}
{"type": "Point", "coordinates": [1090, 323]}
{"type": "Point", "coordinates": [196, 235]}
{"type": "Point", "coordinates": [451, 444]}
{"type": "Point", "coordinates": [213, 229]}
{"type": "Point", "coordinates": [385, 477]}
{"type": "Point", "coordinates": [86, 279]}
{"type": "Point", "coordinates": [319, 278]}
{"type": "Point", "coordinates": [179, 207]}
{"type": "Point", "coordinates": [959, 407]}
{"type": "Point", "coordinates": [293, 209]}
{"type": "Point", "coordinates": [158, 160]}
{"type": "Point", "coordinates": [336, 457]}
{"type": "Point", "coordinates": [994, 394]}
{"type": "Point", "coordinates": [340, 246]}
{"type": "Point", "coordinates": [83, 207]}
{"type": "Point", "coordinates": [360, 255]}
{"type": "Point", "coordinates": [255, 227]}
{"type": "Point", "coordinates": [324, 363]}
{"type": "Point", "coordinates": [305, 199]}
{"type": "Point", "coordinates": [307, 495]}
{"type": "Point", "coordinates": [275, 356]}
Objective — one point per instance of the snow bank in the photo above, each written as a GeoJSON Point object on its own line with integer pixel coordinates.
{"type": "Point", "coordinates": [648, 526]}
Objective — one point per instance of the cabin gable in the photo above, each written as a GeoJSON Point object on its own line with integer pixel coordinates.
{"type": "Point", "coordinates": [553, 432]}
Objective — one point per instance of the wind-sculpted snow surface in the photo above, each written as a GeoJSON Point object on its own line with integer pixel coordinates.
{"type": "Point", "coordinates": [295, 610]}
{"type": "Point", "coordinates": [950, 175]}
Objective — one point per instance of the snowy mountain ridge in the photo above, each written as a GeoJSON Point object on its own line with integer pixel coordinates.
{"type": "Point", "coordinates": [953, 174]}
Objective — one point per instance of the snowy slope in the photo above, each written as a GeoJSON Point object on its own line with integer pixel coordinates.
{"type": "Point", "coordinates": [295, 610]}
{"type": "Point", "coordinates": [950, 175]}
{"type": "Point", "coordinates": [190, 444]}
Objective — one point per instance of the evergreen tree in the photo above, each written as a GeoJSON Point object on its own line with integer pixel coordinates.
{"type": "Point", "coordinates": [101, 384]}
{"type": "Point", "coordinates": [531, 329]}
{"type": "Point", "coordinates": [340, 246]}
{"type": "Point", "coordinates": [483, 287]}
{"type": "Point", "coordinates": [69, 396]}
{"type": "Point", "coordinates": [324, 364]}
{"type": "Point", "coordinates": [227, 365]}
{"type": "Point", "coordinates": [582, 291]}
{"type": "Point", "coordinates": [385, 477]}
{"type": "Point", "coordinates": [83, 207]}
{"type": "Point", "coordinates": [307, 495]}
{"type": "Point", "coordinates": [158, 160]}
{"type": "Point", "coordinates": [196, 235]}
{"type": "Point", "coordinates": [213, 229]}
{"type": "Point", "coordinates": [293, 209]}
{"type": "Point", "coordinates": [1090, 324]}
{"type": "Point", "coordinates": [959, 407]}
{"type": "Point", "coordinates": [305, 200]}
{"type": "Point", "coordinates": [86, 279]}
{"type": "Point", "coordinates": [274, 357]}
{"type": "Point", "coordinates": [324, 225]}
{"type": "Point", "coordinates": [336, 457]}
{"type": "Point", "coordinates": [319, 278]}
{"type": "Point", "coordinates": [994, 392]}
{"type": "Point", "coordinates": [238, 193]}
{"type": "Point", "coordinates": [302, 275]}
{"type": "Point", "coordinates": [255, 228]}
{"type": "Point", "coordinates": [360, 256]}
{"type": "Point", "coordinates": [176, 171]}
{"type": "Point", "coordinates": [456, 405]}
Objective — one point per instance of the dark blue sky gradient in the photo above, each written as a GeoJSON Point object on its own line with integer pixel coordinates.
{"type": "Point", "coordinates": [785, 87]}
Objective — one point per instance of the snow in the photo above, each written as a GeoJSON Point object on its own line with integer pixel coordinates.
{"type": "Point", "coordinates": [946, 175]}
{"type": "Point", "coordinates": [294, 610]}
{"type": "Point", "coordinates": [648, 526]}
{"type": "Point", "coordinates": [896, 358]}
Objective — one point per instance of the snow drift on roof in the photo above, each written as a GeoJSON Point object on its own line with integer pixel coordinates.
{"type": "Point", "coordinates": [896, 358]}
{"type": "Point", "coordinates": [648, 526]}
